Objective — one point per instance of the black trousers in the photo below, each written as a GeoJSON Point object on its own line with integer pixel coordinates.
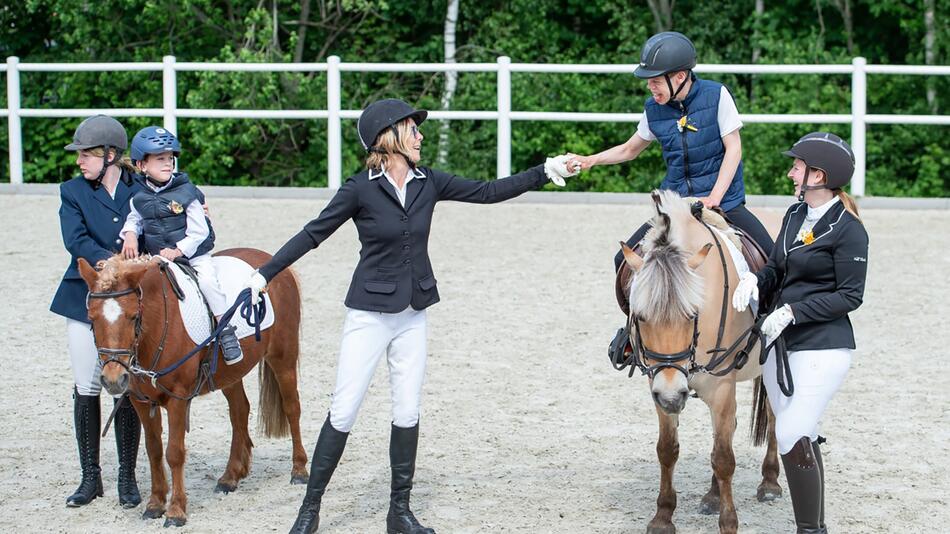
{"type": "Point", "coordinates": [739, 216]}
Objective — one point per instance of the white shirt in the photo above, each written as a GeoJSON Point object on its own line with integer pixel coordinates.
{"type": "Point", "coordinates": [728, 118]}
{"type": "Point", "coordinates": [196, 227]}
{"type": "Point", "coordinates": [813, 215]}
{"type": "Point", "coordinates": [400, 192]}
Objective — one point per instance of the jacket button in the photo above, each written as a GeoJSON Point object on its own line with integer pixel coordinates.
{"type": "Point", "coordinates": [405, 234]}
{"type": "Point", "coordinates": [404, 218]}
{"type": "Point", "coordinates": [406, 261]}
{"type": "Point", "coordinates": [405, 247]}
{"type": "Point", "coordinates": [118, 241]}
{"type": "Point", "coordinates": [115, 219]}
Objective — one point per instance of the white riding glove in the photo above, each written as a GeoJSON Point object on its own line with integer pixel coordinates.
{"type": "Point", "coordinates": [256, 284]}
{"type": "Point", "coordinates": [776, 322]}
{"type": "Point", "coordinates": [556, 169]}
{"type": "Point", "coordinates": [746, 291]}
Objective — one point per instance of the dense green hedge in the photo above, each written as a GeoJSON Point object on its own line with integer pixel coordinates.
{"type": "Point", "coordinates": [902, 160]}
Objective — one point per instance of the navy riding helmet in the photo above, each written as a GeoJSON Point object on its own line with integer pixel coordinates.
{"type": "Point", "coordinates": [154, 140]}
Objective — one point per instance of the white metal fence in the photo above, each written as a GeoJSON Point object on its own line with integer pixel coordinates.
{"type": "Point", "coordinates": [503, 114]}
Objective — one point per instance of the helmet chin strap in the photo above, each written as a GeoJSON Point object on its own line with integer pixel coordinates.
{"type": "Point", "coordinates": [669, 84]}
{"type": "Point", "coordinates": [805, 187]}
{"type": "Point", "coordinates": [105, 166]}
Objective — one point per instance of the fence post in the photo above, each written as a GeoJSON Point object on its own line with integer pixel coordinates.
{"type": "Point", "coordinates": [859, 107]}
{"type": "Point", "coordinates": [13, 118]}
{"type": "Point", "coordinates": [169, 94]}
{"type": "Point", "coordinates": [504, 117]}
{"type": "Point", "coordinates": [334, 142]}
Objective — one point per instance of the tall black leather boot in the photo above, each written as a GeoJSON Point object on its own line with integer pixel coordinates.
{"type": "Point", "coordinates": [402, 457]}
{"type": "Point", "coordinates": [326, 456]}
{"type": "Point", "coordinates": [821, 467]}
{"type": "Point", "coordinates": [128, 430]}
{"type": "Point", "coordinates": [804, 485]}
{"type": "Point", "coordinates": [86, 417]}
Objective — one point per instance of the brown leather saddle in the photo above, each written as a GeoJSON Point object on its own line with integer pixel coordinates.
{"type": "Point", "coordinates": [751, 251]}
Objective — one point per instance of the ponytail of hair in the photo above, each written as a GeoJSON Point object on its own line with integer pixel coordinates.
{"type": "Point", "coordinates": [849, 203]}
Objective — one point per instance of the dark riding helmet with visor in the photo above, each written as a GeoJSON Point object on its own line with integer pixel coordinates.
{"type": "Point", "coordinates": [386, 114]}
{"type": "Point", "coordinates": [100, 131]}
{"type": "Point", "coordinates": [664, 53]}
{"type": "Point", "coordinates": [828, 153]}
{"type": "Point", "coordinates": [154, 140]}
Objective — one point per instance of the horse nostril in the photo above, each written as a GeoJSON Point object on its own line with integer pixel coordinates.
{"type": "Point", "coordinates": [124, 381]}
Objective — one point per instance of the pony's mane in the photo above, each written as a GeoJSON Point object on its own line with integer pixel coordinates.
{"type": "Point", "coordinates": [666, 290]}
{"type": "Point", "coordinates": [114, 269]}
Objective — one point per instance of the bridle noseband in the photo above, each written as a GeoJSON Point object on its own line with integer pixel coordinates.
{"type": "Point", "coordinates": [641, 353]}
{"type": "Point", "coordinates": [114, 354]}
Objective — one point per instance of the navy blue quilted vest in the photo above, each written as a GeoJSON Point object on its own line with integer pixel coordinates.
{"type": "Point", "coordinates": [164, 217]}
{"type": "Point", "coordinates": [692, 157]}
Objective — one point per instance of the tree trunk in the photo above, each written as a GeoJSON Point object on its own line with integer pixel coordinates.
{"type": "Point", "coordinates": [756, 49]}
{"type": "Point", "coordinates": [929, 51]}
{"type": "Point", "coordinates": [662, 14]}
{"type": "Point", "coordinates": [302, 30]}
{"type": "Point", "coordinates": [451, 79]}
{"type": "Point", "coordinates": [844, 7]}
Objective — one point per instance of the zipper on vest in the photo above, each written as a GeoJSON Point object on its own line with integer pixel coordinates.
{"type": "Point", "coordinates": [689, 183]}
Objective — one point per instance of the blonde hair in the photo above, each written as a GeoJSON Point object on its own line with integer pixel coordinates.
{"type": "Point", "coordinates": [387, 142]}
{"type": "Point", "coordinates": [124, 161]}
{"type": "Point", "coordinates": [849, 203]}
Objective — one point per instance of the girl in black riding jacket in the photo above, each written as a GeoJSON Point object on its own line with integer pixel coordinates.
{"type": "Point", "coordinates": [391, 203]}
{"type": "Point", "coordinates": [815, 276]}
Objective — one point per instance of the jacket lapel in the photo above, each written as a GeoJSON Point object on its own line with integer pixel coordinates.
{"type": "Point", "coordinates": [103, 197]}
{"type": "Point", "coordinates": [389, 189]}
{"type": "Point", "coordinates": [414, 187]}
{"type": "Point", "coordinates": [795, 220]}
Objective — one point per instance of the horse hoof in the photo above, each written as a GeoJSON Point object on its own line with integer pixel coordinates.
{"type": "Point", "coordinates": [153, 513]}
{"type": "Point", "coordinates": [709, 508]}
{"type": "Point", "coordinates": [665, 529]}
{"type": "Point", "coordinates": [768, 495]}
{"type": "Point", "coordinates": [299, 479]}
{"type": "Point", "coordinates": [225, 488]}
{"type": "Point", "coordinates": [175, 522]}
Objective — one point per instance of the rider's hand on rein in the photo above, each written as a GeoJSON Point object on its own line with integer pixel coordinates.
{"type": "Point", "coordinates": [746, 291]}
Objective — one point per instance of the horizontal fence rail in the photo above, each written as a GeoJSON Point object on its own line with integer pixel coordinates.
{"type": "Point", "coordinates": [503, 114]}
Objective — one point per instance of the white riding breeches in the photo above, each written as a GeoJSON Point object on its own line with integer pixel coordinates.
{"type": "Point", "coordinates": [817, 375]}
{"type": "Point", "coordinates": [208, 282]}
{"type": "Point", "coordinates": [83, 357]}
{"type": "Point", "coordinates": [366, 337]}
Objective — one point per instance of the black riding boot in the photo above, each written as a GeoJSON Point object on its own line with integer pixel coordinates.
{"type": "Point", "coordinates": [821, 467]}
{"type": "Point", "coordinates": [86, 416]}
{"type": "Point", "coordinates": [620, 346]}
{"type": "Point", "coordinates": [326, 455]}
{"type": "Point", "coordinates": [804, 485]}
{"type": "Point", "coordinates": [128, 429]}
{"type": "Point", "coordinates": [402, 457]}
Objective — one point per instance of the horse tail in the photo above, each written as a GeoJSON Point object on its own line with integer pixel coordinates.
{"type": "Point", "coordinates": [761, 422]}
{"type": "Point", "coordinates": [271, 418]}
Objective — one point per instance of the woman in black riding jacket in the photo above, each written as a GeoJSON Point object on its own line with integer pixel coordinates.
{"type": "Point", "coordinates": [815, 276]}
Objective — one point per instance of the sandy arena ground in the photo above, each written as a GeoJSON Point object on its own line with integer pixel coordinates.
{"type": "Point", "coordinates": [525, 426]}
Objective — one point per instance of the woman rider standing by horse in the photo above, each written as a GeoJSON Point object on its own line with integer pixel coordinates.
{"type": "Point", "coordinates": [391, 203]}
{"type": "Point", "coordinates": [94, 207]}
{"type": "Point", "coordinates": [697, 125]}
{"type": "Point", "coordinates": [815, 275]}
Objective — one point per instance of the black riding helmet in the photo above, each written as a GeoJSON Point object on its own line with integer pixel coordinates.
{"type": "Point", "coordinates": [826, 152]}
{"type": "Point", "coordinates": [664, 53]}
{"type": "Point", "coordinates": [382, 114]}
{"type": "Point", "coordinates": [104, 131]}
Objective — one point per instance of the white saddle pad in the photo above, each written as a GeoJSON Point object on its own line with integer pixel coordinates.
{"type": "Point", "coordinates": [232, 274]}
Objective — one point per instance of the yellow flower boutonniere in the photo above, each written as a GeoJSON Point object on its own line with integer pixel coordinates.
{"type": "Point", "coordinates": [175, 207]}
{"type": "Point", "coordinates": [806, 237]}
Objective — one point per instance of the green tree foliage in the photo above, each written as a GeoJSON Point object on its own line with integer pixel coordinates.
{"type": "Point", "coordinates": [901, 160]}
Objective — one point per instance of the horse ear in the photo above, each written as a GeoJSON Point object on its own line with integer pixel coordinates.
{"type": "Point", "coordinates": [87, 272]}
{"type": "Point", "coordinates": [699, 257]}
{"type": "Point", "coordinates": [135, 273]}
{"type": "Point", "coordinates": [631, 257]}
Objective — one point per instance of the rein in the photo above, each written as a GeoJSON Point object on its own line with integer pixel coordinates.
{"type": "Point", "coordinates": [639, 353]}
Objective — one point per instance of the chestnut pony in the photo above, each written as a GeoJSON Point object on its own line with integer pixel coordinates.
{"type": "Point", "coordinates": [138, 327]}
{"type": "Point", "coordinates": [686, 337]}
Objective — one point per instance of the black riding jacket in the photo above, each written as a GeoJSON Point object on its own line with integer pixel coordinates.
{"type": "Point", "coordinates": [822, 282]}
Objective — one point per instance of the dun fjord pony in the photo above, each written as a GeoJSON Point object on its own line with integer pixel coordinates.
{"type": "Point", "coordinates": [137, 326]}
{"type": "Point", "coordinates": [678, 316]}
